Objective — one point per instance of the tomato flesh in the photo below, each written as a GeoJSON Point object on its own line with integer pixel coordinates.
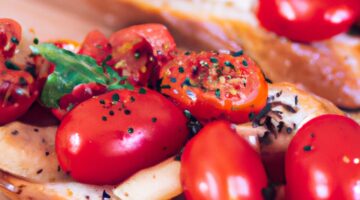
{"type": "Point", "coordinates": [10, 36]}
{"type": "Point", "coordinates": [107, 138]}
{"type": "Point", "coordinates": [219, 164]}
{"type": "Point", "coordinates": [323, 160]}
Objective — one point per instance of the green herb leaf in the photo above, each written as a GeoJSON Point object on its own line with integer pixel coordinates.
{"type": "Point", "coordinates": [71, 70]}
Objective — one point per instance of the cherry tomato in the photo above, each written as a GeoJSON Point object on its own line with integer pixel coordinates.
{"type": "Point", "coordinates": [308, 20]}
{"type": "Point", "coordinates": [219, 164]}
{"type": "Point", "coordinates": [140, 51]}
{"type": "Point", "coordinates": [97, 46]}
{"type": "Point", "coordinates": [215, 85]}
{"type": "Point", "coordinates": [323, 160]}
{"type": "Point", "coordinates": [10, 36]}
{"type": "Point", "coordinates": [17, 93]}
{"type": "Point", "coordinates": [107, 138]}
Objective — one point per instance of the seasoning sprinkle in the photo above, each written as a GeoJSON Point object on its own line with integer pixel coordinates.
{"type": "Point", "coordinates": [36, 41]}
{"type": "Point", "coordinates": [289, 130]}
{"type": "Point", "coordinates": [130, 130]}
{"type": "Point", "coordinates": [187, 114]}
{"type": "Point", "coordinates": [154, 119]}
{"type": "Point", "coordinates": [165, 87]}
{"type": "Point", "coordinates": [14, 132]}
{"type": "Point", "coordinates": [105, 196]}
{"type": "Point", "coordinates": [111, 113]}
{"type": "Point", "coordinates": [39, 171]}
{"type": "Point", "coordinates": [14, 40]}
{"type": "Point", "coordinates": [104, 118]}
{"type": "Point", "coordinates": [115, 97]}
{"type": "Point", "coordinates": [173, 79]}
{"type": "Point", "coordinates": [132, 99]}
{"type": "Point", "coordinates": [217, 93]}
{"type": "Point", "coordinates": [137, 55]}
{"type": "Point", "coordinates": [187, 53]}
{"type": "Point", "coordinates": [22, 81]}
{"type": "Point", "coordinates": [307, 148]}
{"type": "Point", "coordinates": [127, 112]}
{"type": "Point", "coordinates": [213, 60]}
{"type": "Point", "coordinates": [142, 91]}
{"type": "Point", "coordinates": [238, 53]}
{"type": "Point", "coordinates": [102, 101]}
{"type": "Point", "coordinates": [245, 63]}
{"type": "Point", "coordinates": [181, 70]}
{"type": "Point", "coordinates": [296, 100]}
{"type": "Point", "coordinates": [229, 64]}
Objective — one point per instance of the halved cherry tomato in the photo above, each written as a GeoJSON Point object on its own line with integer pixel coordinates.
{"type": "Point", "coordinates": [17, 93]}
{"type": "Point", "coordinates": [108, 138]}
{"type": "Point", "coordinates": [308, 20]}
{"type": "Point", "coordinates": [323, 160]}
{"type": "Point", "coordinates": [97, 46]}
{"type": "Point", "coordinates": [215, 85]}
{"type": "Point", "coordinates": [139, 52]}
{"type": "Point", "coordinates": [219, 164]}
{"type": "Point", "coordinates": [10, 36]}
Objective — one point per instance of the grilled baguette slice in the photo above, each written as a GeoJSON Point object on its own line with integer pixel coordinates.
{"type": "Point", "coordinates": [330, 69]}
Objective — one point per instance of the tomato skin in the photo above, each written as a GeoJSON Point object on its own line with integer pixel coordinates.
{"type": "Point", "coordinates": [98, 147]}
{"type": "Point", "coordinates": [18, 91]}
{"type": "Point", "coordinates": [219, 164]}
{"type": "Point", "coordinates": [201, 83]}
{"type": "Point", "coordinates": [9, 30]}
{"type": "Point", "coordinates": [97, 46]}
{"type": "Point", "coordinates": [308, 20]}
{"type": "Point", "coordinates": [322, 161]}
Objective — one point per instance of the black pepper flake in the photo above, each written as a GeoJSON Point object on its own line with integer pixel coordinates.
{"type": "Point", "coordinates": [59, 168]}
{"type": "Point", "coordinates": [214, 60]}
{"type": "Point", "coordinates": [187, 53]}
{"type": "Point", "coordinates": [217, 93]}
{"type": "Point", "coordinates": [278, 94]}
{"type": "Point", "coordinates": [187, 114]}
{"type": "Point", "coordinates": [132, 99]}
{"type": "Point", "coordinates": [14, 132]}
{"type": "Point", "coordinates": [289, 130]}
{"type": "Point", "coordinates": [178, 155]}
{"type": "Point", "coordinates": [105, 195]}
{"type": "Point", "coordinates": [181, 70]}
{"type": "Point", "coordinates": [237, 53]}
{"type": "Point", "coordinates": [39, 171]}
{"type": "Point", "coordinates": [280, 126]}
{"type": "Point", "coordinates": [312, 135]}
{"type": "Point", "coordinates": [269, 192]}
{"type": "Point", "coordinates": [111, 113]}
{"type": "Point", "coordinates": [142, 91]}
{"type": "Point", "coordinates": [11, 65]}
{"type": "Point", "coordinates": [102, 101]}
{"type": "Point", "coordinates": [36, 41]}
{"type": "Point", "coordinates": [104, 118]}
{"type": "Point", "coordinates": [296, 99]}
{"type": "Point", "coordinates": [137, 55]}
{"type": "Point", "coordinates": [307, 148]}
{"type": "Point", "coordinates": [87, 197]}
{"type": "Point", "coordinates": [115, 97]}
{"type": "Point", "coordinates": [14, 40]}
{"type": "Point", "coordinates": [22, 81]}
{"type": "Point", "coordinates": [47, 153]}
{"type": "Point", "coordinates": [165, 87]}
{"type": "Point", "coordinates": [127, 112]}
{"type": "Point", "coordinates": [154, 119]}
{"type": "Point", "coordinates": [251, 116]}
{"type": "Point", "coordinates": [245, 63]}
{"type": "Point", "coordinates": [229, 64]}
{"type": "Point", "coordinates": [36, 130]}
{"type": "Point", "coordinates": [186, 82]}
{"type": "Point", "coordinates": [130, 130]}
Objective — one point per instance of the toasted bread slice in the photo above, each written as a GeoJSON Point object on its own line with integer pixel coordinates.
{"type": "Point", "coordinates": [330, 69]}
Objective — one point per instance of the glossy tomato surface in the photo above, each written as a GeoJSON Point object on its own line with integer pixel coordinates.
{"type": "Point", "coordinates": [219, 164]}
{"type": "Point", "coordinates": [107, 138]}
{"type": "Point", "coordinates": [323, 160]}
{"type": "Point", "coordinates": [214, 85]}
{"type": "Point", "coordinates": [17, 93]}
{"type": "Point", "coordinates": [308, 20]}
{"type": "Point", "coordinates": [10, 36]}
{"type": "Point", "coordinates": [97, 46]}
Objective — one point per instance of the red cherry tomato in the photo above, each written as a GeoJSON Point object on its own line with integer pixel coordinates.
{"type": "Point", "coordinates": [107, 138]}
{"type": "Point", "coordinates": [215, 85]}
{"type": "Point", "coordinates": [219, 164]}
{"type": "Point", "coordinates": [323, 160]}
{"type": "Point", "coordinates": [308, 20]}
{"type": "Point", "coordinates": [139, 52]}
{"type": "Point", "coordinates": [97, 46]}
{"type": "Point", "coordinates": [17, 93]}
{"type": "Point", "coordinates": [10, 36]}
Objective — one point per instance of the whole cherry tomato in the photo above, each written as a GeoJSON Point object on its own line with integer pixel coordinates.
{"type": "Point", "coordinates": [308, 20]}
{"type": "Point", "coordinates": [215, 85]}
{"type": "Point", "coordinates": [10, 36]}
{"type": "Point", "coordinates": [107, 138]}
{"type": "Point", "coordinates": [219, 164]}
{"type": "Point", "coordinates": [323, 160]}
{"type": "Point", "coordinates": [18, 91]}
